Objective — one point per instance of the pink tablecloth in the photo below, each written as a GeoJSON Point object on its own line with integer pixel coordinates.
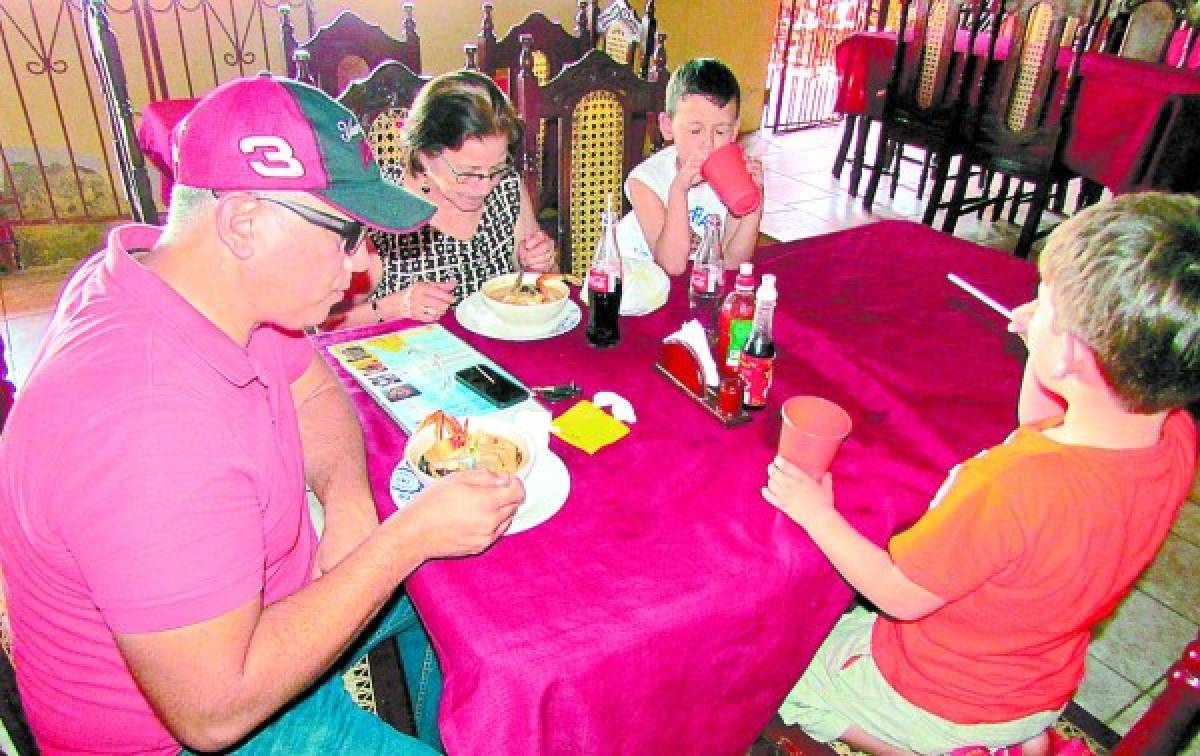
{"type": "Point", "coordinates": [667, 608]}
{"type": "Point", "coordinates": [1113, 127]}
{"type": "Point", "coordinates": [154, 137]}
{"type": "Point", "coordinates": [1118, 106]}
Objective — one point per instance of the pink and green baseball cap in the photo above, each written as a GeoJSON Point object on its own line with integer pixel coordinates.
{"type": "Point", "coordinates": [270, 133]}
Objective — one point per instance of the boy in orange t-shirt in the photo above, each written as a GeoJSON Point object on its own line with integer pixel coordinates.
{"type": "Point", "coordinates": [987, 603]}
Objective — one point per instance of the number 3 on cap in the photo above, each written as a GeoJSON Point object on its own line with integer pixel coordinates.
{"type": "Point", "coordinates": [276, 158]}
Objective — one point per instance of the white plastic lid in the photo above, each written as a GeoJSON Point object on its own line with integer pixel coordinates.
{"type": "Point", "coordinates": [766, 290]}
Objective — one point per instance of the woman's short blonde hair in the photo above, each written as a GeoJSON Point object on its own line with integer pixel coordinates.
{"type": "Point", "coordinates": [456, 107]}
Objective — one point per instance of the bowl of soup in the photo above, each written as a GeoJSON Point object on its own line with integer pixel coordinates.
{"type": "Point", "coordinates": [538, 302]}
{"type": "Point", "coordinates": [475, 443]}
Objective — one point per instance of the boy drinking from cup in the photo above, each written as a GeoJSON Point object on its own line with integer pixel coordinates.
{"type": "Point", "coordinates": [986, 604]}
{"type": "Point", "coordinates": [670, 198]}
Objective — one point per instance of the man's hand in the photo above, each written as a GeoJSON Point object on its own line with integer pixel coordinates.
{"type": "Point", "coordinates": [464, 513]}
{"type": "Point", "coordinates": [688, 175]}
{"type": "Point", "coordinates": [536, 252]}
{"type": "Point", "coordinates": [799, 497]}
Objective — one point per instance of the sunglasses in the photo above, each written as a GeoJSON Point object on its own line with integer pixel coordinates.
{"type": "Point", "coordinates": [464, 177]}
{"type": "Point", "coordinates": [351, 231]}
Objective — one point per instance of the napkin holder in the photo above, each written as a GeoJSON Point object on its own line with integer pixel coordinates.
{"type": "Point", "coordinates": [680, 365]}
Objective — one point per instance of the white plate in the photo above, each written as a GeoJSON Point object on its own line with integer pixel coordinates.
{"type": "Point", "coordinates": [546, 490]}
{"type": "Point", "coordinates": [475, 316]}
{"type": "Point", "coordinates": [645, 289]}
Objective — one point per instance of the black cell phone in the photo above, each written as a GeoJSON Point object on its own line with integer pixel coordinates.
{"type": "Point", "coordinates": [491, 385]}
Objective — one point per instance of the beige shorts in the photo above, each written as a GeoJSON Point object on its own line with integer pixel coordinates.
{"type": "Point", "coordinates": [832, 696]}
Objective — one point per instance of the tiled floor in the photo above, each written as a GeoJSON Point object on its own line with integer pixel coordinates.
{"type": "Point", "coordinates": [1132, 651]}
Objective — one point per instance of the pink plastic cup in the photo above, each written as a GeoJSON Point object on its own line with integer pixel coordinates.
{"type": "Point", "coordinates": [725, 171]}
{"type": "Point", "coordinates": [813, 429]}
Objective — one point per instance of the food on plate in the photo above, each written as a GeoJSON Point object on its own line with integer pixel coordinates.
{"type": "Point", "coordinates": [456, 447]}
{"type": "Point", "coordinates": [539, 292]}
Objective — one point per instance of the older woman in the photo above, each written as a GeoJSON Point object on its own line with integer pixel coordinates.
{"type": "Point", "coordinates": [460, 138]}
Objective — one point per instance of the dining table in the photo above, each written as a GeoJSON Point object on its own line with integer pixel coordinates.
{"type": "Point", "coordinates": [667, 607]}
{"type": "Point", "coordinates": [1115, 125]}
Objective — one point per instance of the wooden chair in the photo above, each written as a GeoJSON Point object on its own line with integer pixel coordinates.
{"type": "Point", "coordinates": [1021, 127]}
{"type": "Point", "coordinates": [1172, 714]}
{"type": "Point", "coordinates": [553, 46]}
{"type": "Point", "coordinates": [346, 49]}
{"type": "Point", "coordinates": [602, 116]}
{"type": "Point", "coordinates": [1143, 32]}
{"type": "Point", "coordinates": [925, 99]}
{"type": "Point", "coordinates": [619, 33]}
{"type": "Point", "coordinates": [110, 72]}
{"type": "Point", "coordinates": [381, 102]}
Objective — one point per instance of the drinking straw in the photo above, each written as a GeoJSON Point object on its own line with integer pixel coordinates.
{"type": "Point", "coordinates": [957, 281]}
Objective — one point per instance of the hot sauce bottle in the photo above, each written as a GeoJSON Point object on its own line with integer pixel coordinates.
{"type": "Point", "coordinates": [757, 362]}
{"type": "Point", "coordinates": [736, 317]}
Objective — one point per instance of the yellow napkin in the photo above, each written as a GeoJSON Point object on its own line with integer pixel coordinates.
{"type": "Point", "coordinates": [587, 426]}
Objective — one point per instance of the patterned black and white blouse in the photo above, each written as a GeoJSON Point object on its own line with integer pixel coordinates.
{"type": "Point", "coordinates": [429, 255]}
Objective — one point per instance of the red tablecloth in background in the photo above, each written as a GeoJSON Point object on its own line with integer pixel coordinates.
{"type": "Point", "coordinates": [154, 137]}
{"type": "Point", "coordinates": [667, 607]}
{"type": "Point", "coordinates": [1119, 102]}
{"type": "Point", "coordinates": [1118, 106]}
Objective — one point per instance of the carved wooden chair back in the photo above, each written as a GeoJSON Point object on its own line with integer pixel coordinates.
{"type": "Point", "coordinates": [349, 48]}
{"type": "Point", "coordinates": [601, 114]}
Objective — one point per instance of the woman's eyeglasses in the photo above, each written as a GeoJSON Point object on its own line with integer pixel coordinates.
{"type": "Point", "coordinates": [351, 231]}
{"type": "Point", "coordinates": [463, 177]}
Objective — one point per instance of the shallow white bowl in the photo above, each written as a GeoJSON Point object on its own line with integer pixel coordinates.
{"type": "Point", "coordinates": [420, 441]}
{"type": "Point", "coordinates": [524, 315]}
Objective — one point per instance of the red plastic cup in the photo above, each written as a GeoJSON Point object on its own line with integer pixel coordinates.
{"type": "Point", "coordinates": [725, 171]}
{"type": "Point", "coordinates": [813, 429]}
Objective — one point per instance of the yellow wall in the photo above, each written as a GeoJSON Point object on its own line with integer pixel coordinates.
{"type": "Point", "coordinates": [737, 32]}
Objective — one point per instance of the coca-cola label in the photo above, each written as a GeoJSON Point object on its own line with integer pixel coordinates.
{"type": "Point", "coordinates": [601, 281]}
{"type": "Point", "coordinates": [703, 279]}
{"type": "Point", "coordinates": [757, 372]}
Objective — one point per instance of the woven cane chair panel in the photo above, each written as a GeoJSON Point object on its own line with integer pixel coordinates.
{"type": "Point", "coordinates": [357, 682]}
{"type": "Point", "coordinates": [5, 625]}
{"type": "Point", "coordinates": [892, 22]}
{"type": "Point", "coordinates": [932, 53]}
{"type": "Point", "coordinates": [383, 136]}
{"type": "Point", "coordinates": [1021, 106]}
{"type": "Point", "coordinates": [597, 146]}
{"type": "Point", "coordinates": [618, 43]}
{"type": "Point", "coordinates": [541, 67]}
{"type": "Point", "coordinates": [541, 73]}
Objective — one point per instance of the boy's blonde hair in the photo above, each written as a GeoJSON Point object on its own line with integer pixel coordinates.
{"type": "Point", "coordinates": [1126, 280]}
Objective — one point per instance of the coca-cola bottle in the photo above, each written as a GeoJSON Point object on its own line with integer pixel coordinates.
{"type": "Point", "coordinates": [708, 277]}
{"type": "Point", "coordinates": [757, 363]}
{"type": "Point", "coordinates": [604, 284]}
{"type": "Point", "coordinates": [737, 314]}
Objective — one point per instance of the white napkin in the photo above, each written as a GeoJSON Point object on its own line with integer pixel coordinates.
{"type": "Point", "coordinates": [692, 335]}
{"type": "Point", "coordinates": [644, 288]}
{"type": "Point", "coordinates": [621, 408]}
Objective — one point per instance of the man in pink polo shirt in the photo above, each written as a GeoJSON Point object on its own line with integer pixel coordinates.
{"type": "Point", "coordinates": [165, 584]}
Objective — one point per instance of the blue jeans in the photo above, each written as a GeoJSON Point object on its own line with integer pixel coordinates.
{"type": "Point", "coordinates": [325, 720]}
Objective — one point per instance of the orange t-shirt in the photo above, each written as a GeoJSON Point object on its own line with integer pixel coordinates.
{"type": "Point", "coordinates": [1031, 544]}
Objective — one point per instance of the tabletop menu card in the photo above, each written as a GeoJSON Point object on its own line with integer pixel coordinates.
{"type": "Point", "coordinates": [410, 373]}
